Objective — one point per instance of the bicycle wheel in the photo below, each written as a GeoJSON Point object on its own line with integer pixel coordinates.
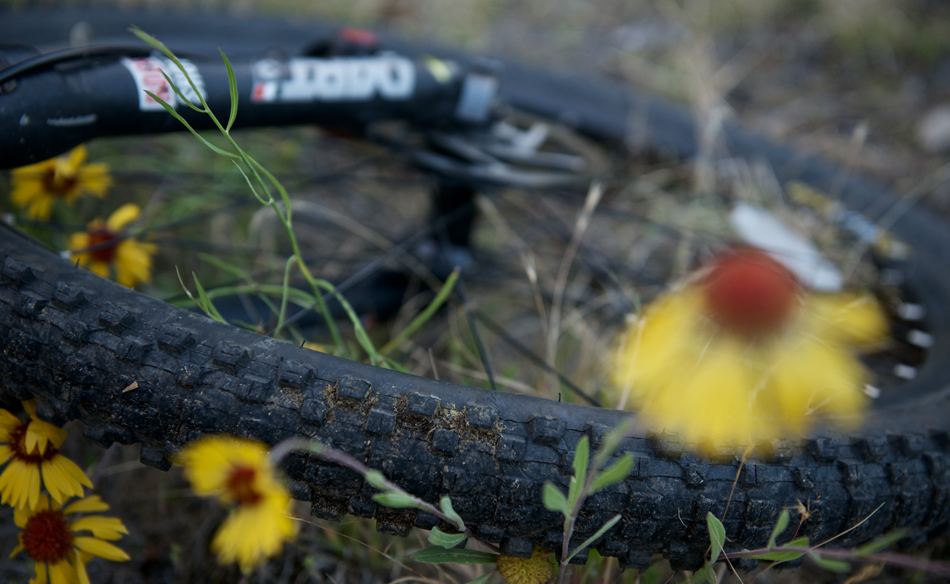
{"type": "Point", "coordinates": [134, 369]}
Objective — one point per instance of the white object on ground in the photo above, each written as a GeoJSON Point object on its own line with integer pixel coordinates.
{"type": "Point", "coordinates": [933, 130]}
{"type": "Point", "coordinates": [756, 226]}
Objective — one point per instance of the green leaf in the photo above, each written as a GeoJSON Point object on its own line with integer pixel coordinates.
{"type": "Point", "coordinates": [573, 492]}
{"type": "Point", "coordinates": [611, 440]}
{"type": "Point", "coordinates": [445, 504]}
{"type": "Point", "coordinates": [707, 574]}
{"type": "Point", "coordinates": [554, 499]}
{"type": "Point", "coordinates": [780, 526]}
{"type": "Point", "coordinates": [613, 521]}
{"type": "Point", "coordinates": [226, 266]}
{"type": "Point", "coordinates": [266, 202]}
{"type": "Point", "coordinates": [880, 543]}
{"type": "Point", "coordinates": [839, 566]}
{"type": "Point", "coordinates": [205, 302]}
{"type": "Point", "coordinates": [614, 474]}
{"type": "Point", "coordinates": [799, 542]}
{"type": "Point", "coordinates": [232, 85]}
{"type": "Point", "coordinates": [376, 478]}
{"type": "Point", "coordinates": [178, 117]}
{"type": "Point", "coordinates": [178, 92]}
{"type": "Point", "coordinates": [446, 540]}
{"type": "Point", "coordinates": [439, 555]}
{"type": "Point", "coordinates": [149, 39]}
{"type": "Point", "coordinates": [717, 536]}
{"type": "Point", "coordinates": [482, 579]}
{"type": "Point", "coordinates": [393, 499]}
{"type": "Point", "coordinates": [581, 460]}
{"type": "Point", "coordinates": [779, 556]}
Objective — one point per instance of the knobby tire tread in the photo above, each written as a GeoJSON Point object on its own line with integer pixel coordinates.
{"type": "Point", "coordinates": [134, 369]}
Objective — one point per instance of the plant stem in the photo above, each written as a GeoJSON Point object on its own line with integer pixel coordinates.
{"type": "Point", "coordinates": [933, 566]}
{"type": "Point", "coordinates": [331, 454]}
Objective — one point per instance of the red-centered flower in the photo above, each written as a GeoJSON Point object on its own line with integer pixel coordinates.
{"type": "Point", "coordinates": [241, 476]}
{"type": "Point", "coordinates": [52, 537]}
{"type": "Point", "coordinates": [741, 352]}
{"type": "Point", "coordinates": [65, 178]}
{"type": "Point", "coordinates": [31, 447]}
{"type": "Point", "coordinates": [103, 249]}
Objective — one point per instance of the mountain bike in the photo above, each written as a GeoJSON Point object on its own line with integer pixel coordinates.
{"type": "Point", "coordinates": [134, 369]}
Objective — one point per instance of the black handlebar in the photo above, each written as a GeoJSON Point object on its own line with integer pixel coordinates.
{"type": "Point", "coordinates": [53, 104]}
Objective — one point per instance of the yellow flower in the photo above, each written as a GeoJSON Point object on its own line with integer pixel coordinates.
{"type": "Point", "coordinates": [131, 260]}
{"type": "Point", "coordinates": [741, 353]}
{"type": "Point", "coordinates": [239, 473]}
{"type": "Point", "coordinates": [51, 539]}
{"type": "Point", "coordinates": [32, 448]}
{"type": "Point", "coordinates": [38, 185]}
{"type": "Point", "coordinates": [534, 570]}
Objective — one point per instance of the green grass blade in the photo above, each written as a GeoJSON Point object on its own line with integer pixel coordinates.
{"type": "Point", "coordinates": [880, 543]}
{"type": "Point", "coordinates": [155, 43]}
{"type": "Point", "coordinates": [232, 86]}
{"type": "Point", "coordinates": [285, 292]}
{"type": "Point", "coordinates": [226, 266]}
{"type": "Point", "coordinates": [604, 528]}
{"type": "Point", "coordinates": [423, 316]}
{"type": "Point", "coordinates": [180, 95]}
{"type": "Point", "coordinates": [830, 564]}
{"type": "Point", "coordinates": [178, 117]}
{"type": "Point", "coordinates": [206, 304]}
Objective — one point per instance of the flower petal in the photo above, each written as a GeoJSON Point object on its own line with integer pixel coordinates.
{"type": "Point", "coordinates": [101, 527]}
{"type": "Point", "coordinates": [8, 424]}
{"type": "Point", "coordinates": [16, 550]}
{"type": "Point", "coordinates": [209, 461]}
{"type": "Point", "coordinates": [133, 262]}
{"type": "Point", "coordinates": [250, 535]}
{"type": "Point", "coordinates": [20, 484]}
{"type": "Point", "coordinates": [59, 573]}
{"type": "Point", "coordinates": [6, 453]}
{"type": "Point", "coordinates": [122, 216]}
{"type": "Point", "coordinates": [63, 479]}
{"type": "Point", "coordinates": [81, 575]}
{"type": "Point", "coordinates": [856, 320]}
{"type": "Point", "coordinates": [100, 548]}
{"type": "Point", "coordinates": [39, 433]}
{"type": "Point", "coordinates": [94, 179]}
{"type": "Point", "coordinates": [40, 573]}
{"type": "Point", "coordinates": [89, 504]}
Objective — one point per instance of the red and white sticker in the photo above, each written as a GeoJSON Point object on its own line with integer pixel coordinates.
{"type": "Point", "coordinates": [386, 75]}
{"type": "Point", "coordinates": [147, 73]}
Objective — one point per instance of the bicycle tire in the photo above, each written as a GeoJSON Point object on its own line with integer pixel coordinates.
{"type": "Point", "coordinates": [133, 369]}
